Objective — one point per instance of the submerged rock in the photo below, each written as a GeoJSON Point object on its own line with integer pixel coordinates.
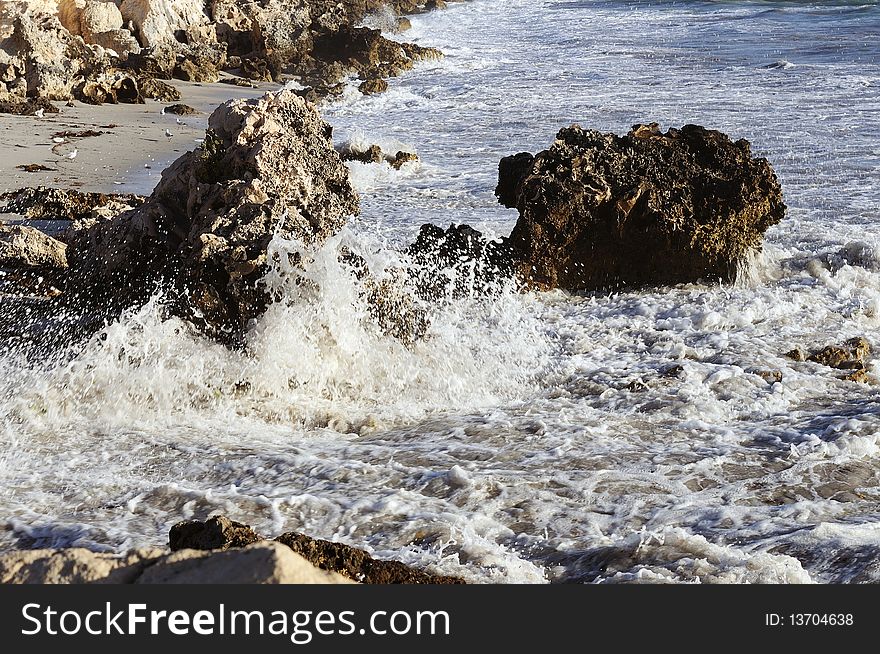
{"type": "Point", "coordinates": [600, 211]}
{"type": "Point", "coordinates": [267, 168]}
{"type": "Point", "coordinates": [373, 154]}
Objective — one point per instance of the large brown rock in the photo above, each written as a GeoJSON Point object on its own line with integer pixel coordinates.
{"type": "Point", "coordinates": [600, 211]}
{"type": "Point", "coordinates": [216, 533]}
{"type": "Point", "coordinates": [267, 167]}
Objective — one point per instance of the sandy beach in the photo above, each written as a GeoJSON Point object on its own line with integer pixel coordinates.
{"type": "Point", "coordinates": [127, 157]}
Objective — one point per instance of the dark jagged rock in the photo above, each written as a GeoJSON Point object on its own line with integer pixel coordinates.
{"type": "Point", "coordinates": [459, 259]}
{"type": "Point", "coordinates": [599, 211]}
{"type": "Point", "coordinates": [357, 564]}
{"type": "Point", "coordinates": [26, 106]}
{"type": "Point", "coordinates": [205, 229]}
{"type": "Point", "coordinates": [402, 157]}
{"type": "Point", "coordinates": [512, 171]}
{"type": "Point", "coordinates": [45, 203]}
{"type": "Point", "coordinates": [221, 533]}
{"type": "Point", "coordinates": [216, 533]}
{"type": "Point", "coordinates": [180, 110]}
{"type": "Point", "coordinates": [373, 86]}
{"type": "Point", "coordinates": [372, 154]}
{"type": "Point", "coordinates": [24, 247]}
{"type": "Point", "coordinates": [852, 355]}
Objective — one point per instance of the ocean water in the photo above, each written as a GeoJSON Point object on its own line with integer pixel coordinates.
{"type": "Point", "coordinates": [529, 437]}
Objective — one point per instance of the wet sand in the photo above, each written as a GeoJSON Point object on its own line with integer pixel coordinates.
{"type": "Point", "coordinates": [128, 157]}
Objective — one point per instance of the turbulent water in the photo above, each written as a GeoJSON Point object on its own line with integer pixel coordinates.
{"type": "Point", "coordinates": [528, 438]}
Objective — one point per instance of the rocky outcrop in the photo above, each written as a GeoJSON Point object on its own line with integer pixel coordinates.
{"type": "Point", "coordinates": [23, 247]}
{"type": "Point", "coordinates": [853, 355]}
{"type": "Point", "coordinates": [356, 564]}
{"type": "Point", "coordinates": [263, 563]}
{"type": "Point", "coordinates": [46, 203]}
{"type": "Point", "coordinates": [107, 51]}
{"type": "Point", "coordinates": [221, 533]}
{"type": "Point", "coordinates": [373, 154]}
{"type": "Point", "coordinates": [217, 533]}
{"type": "Point", "coordinates": [156, 21]}
{"type": "Point", "coordinates": [600, 211]}
{"type": "Point", "coordinates": [267, 168]}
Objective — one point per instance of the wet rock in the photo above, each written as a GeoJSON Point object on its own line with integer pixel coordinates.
{"type": "Point", "coordinates": [401, 158]}
{"type": "Point", "coordinates": [216, 533]}
{"type": "Point", "coordinates": [861, 376]}
{"type": "Point", "coordinates": [372, 86]}
{"type": "Point", "coordinates": [23, 247]}
{"type": "Point", "coordinates": [770, 376]}
{"type": "Point", "coordinates": [256, 68]}
{"type": "Point", "coordinates": [356, 564]}
{"type": "Point", "coordinates": [45, 203]}
{"type": "Point", "coordinates": [267, 167]}
{"type": "Point", "coordinates": [180, 110]}
{"type": "Point", "coordinates": [512, 171]}
{"type": "Point", "coordinates": [797, 354]}
{"type": "Point", "coordinates": [373, 154]}
{"type": "Point", "coordinates": [599, 211]}
{"type": "Point", "coordinates": [458, 261]}
{"type": "Point", "coordinates": [851, 355]}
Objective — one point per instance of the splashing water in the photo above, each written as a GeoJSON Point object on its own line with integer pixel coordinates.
{"type": "Point", "coordinates": [649, 436]}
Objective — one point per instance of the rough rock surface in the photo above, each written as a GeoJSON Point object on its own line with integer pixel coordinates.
{"type": "Point", "coordinates": [221, 533]}
{"type": "Point", "coordinates": [356, 564]}
{"type": "Point", "coordinates": [64, 50]}
{"type": "Point", "coordinates": [156, 21]}
{"type": "Point", "coordinates": [512, 171]}
{"type": "Point", "coordinates": [267, 167]}
{"type": "Point", "coordinates": [24, 247]}
{"type": "Point", "coordinates": [600, 211]}
{"type": "Point", "coordinates": [374, 154]}
{"type": "Point", "coordinates": [263, 563]}
{"type": "Point", "coordinates": [216, 533]}
{"type": "Point", "coordinates": [46, 203]}
{"type": "Point", "coordinates": [260, 563]}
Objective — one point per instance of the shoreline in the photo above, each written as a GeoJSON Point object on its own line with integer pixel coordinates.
{"type": "Point", "coordinates": [128, 157]}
